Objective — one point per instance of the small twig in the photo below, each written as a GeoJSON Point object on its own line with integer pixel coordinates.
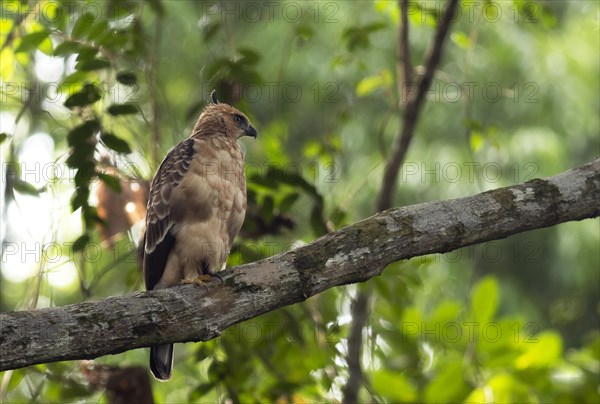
{"type": "Point", "coordinates": [467, 99]}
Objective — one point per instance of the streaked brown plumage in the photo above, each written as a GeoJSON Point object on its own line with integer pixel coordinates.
{"type": "Point", "coordinates": [196, 207]}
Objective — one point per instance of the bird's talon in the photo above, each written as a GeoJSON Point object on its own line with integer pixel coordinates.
{"type": "Point", "coordinates": [201, 280]}
{"type": "Point", "coordinates": [195, 281]}
{"type": "Point", "coordinates": [218, 277]}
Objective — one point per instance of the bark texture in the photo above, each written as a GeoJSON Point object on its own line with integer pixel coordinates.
{"type": "Point", "coordinates": [353, 254]}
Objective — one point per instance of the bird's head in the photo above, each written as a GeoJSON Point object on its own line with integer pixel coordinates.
{"type": "Point", "coordinates": [219, 118]}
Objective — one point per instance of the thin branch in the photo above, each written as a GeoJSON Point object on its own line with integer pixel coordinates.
{"type": "Point", "coordinates": [151, 78]}
{"type": "Point", "coordinates": [412, 104]}
{"type": "Point", "coordinates": [353, 254]}
{"type": "Point", "coordinates": [404, 65]}
{"type": "Point", "coordinates": [412, 110]}
{"type": "Point", "coordinates": [360, 316]}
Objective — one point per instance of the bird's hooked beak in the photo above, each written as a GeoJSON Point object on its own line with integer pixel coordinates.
{"type": "Point", "coordinates": [250, 131]}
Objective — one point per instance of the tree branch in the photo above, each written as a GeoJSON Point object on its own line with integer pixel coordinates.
{"type": "Point", "coordinates": [353, 254]}
{"type": "Point", "coordinates": [412, 103]}
{"type": "Point", "coordinates": [413, 107]}
{"type": "Point", "coordinates": [404, 64]}
{"type": "Point", "coordinates": [360, 316]}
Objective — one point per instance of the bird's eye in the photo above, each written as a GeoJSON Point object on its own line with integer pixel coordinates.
{"type": "Point", "coordinates": [238, 119]}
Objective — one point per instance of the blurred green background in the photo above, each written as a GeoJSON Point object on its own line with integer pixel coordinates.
{"type": "Point", "coordinates": [94, 94]}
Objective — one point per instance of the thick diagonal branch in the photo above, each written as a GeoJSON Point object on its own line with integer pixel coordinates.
{"type": "Point", "coordinates": [353, 254]}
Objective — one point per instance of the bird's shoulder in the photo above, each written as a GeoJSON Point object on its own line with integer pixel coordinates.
{"type": "Point", "coordinates": [169, 174]}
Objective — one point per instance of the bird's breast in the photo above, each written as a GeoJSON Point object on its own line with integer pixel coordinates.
{"type": "Point", "coordinates": [214, 187]}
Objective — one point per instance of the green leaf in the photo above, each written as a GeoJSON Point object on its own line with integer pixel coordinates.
{"type": "Point", "coordinates": [113, 39]}
{"type": "Point", "coordinates": [93, 64]}
{"type": "Point", "coordinates": [473, 124]}
{"type": "Point", "coordinates": [217, 67]}
{"type": "Point", "coordinates": [287, 202]}
{"type": "Point", "coordinates": [83, 25]}
{"type": "Point", "coordinates": [7, 63]}
{"type": "Point", "coordinates": [371, 83]}
{"type": "Point", "coordinates": [26, 188]}
{"type": "Point", "coordinates": [67, 48]}
{"type": "Point", "coordinates": [31, 41]}
{"type": "Point", "coordinates": [484, 300]}
{"type": "Point", "coordinates": [98, 29]}
{"type": "Point", "coordinates": [16, 378]}
{"type": "Point", "coordinates": [502, 387]}
{"type": "Point", "coordinates": [126, 78]}
{"type": "Point", "coordinates": [394, 386]}
{"type": "Point", "coordinates": [413, 316]}
{"type": "Point", "coordinates": [81, 242]}
{"type": "Point", "coordinates": [83, 176]}
{"type": "Point", "coordinates": [89, 94]}
{"type": "Point", "coordinates": [86, 53]}
{"type": "Point", "coordinates": [73, 83]}
{"type": "Point", "coordinates": [338, 216]}
{"type": "Point", "coordinates": [358, 36]}
{"type": "Point", "coordinates": [447, 311]}
{"type": "Point", "coordinates": [544, 350]}
{"type": "Point", "coordinates": [111, 181]}
{"type": "Point", "coordinates": [448, 385]}
{"type": "Point", "coordinates": [90, 216]}
{"type": "Point", "coordinates": [81, 155]}
{"type": "Point", "coordinates": [476, 141]}
{"type": "Point", "coordinates": [201, 390]}
{"type": "Point", "coordinates": [3, 137]}
{"type": "Point", "coordinates": [304, 31]}
{"type": "Point", "coordinates": [250, 57]}
{"type": "Point", "coordinates": [267, 208]}
{"type": "Point", "coordinates": [122, 109]}
{"type": "Point", "coordinates": [115, 143]}
{"type": "Point", "coordinates": [80, 198]}
{"type": "Point", "coordinates": [83, 132]}
{"type": "Point", "coordinates": [461, 39]}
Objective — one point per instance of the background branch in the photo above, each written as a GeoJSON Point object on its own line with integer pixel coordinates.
{"type": "Point", "coordinates": [412, 103]}
{"type": "Point", "coordinates": [413, 107]}
{"type": "Point", "coordinates": [360, 316]}
{"type": "Point", "coordinates": [353, 254]}
{"type": "Point", "coordinates": [404, 64]}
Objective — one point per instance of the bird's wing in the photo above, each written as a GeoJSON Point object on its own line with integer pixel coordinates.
{"type": "Point", "coordinates": [159, 238]}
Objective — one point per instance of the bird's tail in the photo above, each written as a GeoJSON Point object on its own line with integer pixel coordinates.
{"type": "Point", "coordinates": [161, 361]}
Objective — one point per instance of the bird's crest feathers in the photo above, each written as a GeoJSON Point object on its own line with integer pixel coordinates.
{"type": "Point", "coordinates": [213, 97]}
{"type": "Point", "coordinates": [222, 118]}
